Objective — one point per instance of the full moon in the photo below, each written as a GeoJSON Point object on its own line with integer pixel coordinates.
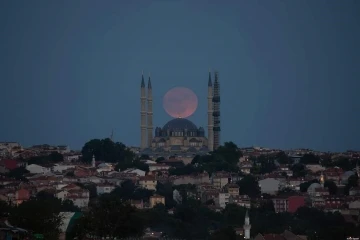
{"type": "Point", "coordinates": [180, 102]}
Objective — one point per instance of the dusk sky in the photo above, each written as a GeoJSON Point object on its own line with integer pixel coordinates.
{"type": "Point", "coordinates": [289, 71]}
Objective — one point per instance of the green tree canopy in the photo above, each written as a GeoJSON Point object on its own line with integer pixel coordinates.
{"type": "Point", "coordinates": [40, 216]}
{"type": "Point", "coordinates": [310, 158]}
{"type": "Point", "coordinates": [110, 217]}
{"type": "Point", "coordinates": [331, 186]}
{"type": "Point", "coordinates": [248, 185]}
{"type": "Point", "coordinates": [53, 157]}
{"type": "Point", "coordinates": [106, 150]}
{"type": "Point", "coordinates": [283, 158]}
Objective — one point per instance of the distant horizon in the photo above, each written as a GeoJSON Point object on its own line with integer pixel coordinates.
{"type": "Point", "coordinates": [254, 146]}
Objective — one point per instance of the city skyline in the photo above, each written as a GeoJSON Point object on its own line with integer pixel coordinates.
{"type": "Point", "coordinates": [71, 70]}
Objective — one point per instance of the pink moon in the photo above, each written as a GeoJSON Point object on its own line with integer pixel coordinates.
{"type": "Point", "coordinates": [180, 102]}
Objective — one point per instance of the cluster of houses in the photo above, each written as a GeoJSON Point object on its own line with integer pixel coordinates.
{"type": "Point", "coordinates": [219, 189]}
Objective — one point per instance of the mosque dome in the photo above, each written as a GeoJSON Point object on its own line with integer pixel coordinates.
{"type": "Point", "coordinates": [180, 124]}
{"type": "Point", "coordinates": [313, 186]}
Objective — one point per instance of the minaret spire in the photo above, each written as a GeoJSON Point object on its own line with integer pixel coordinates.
{"type": "Point", "coordinates": [93, 163]}
{"type": "Point", "coordinates": [247, 225]}
{"type": "Point", "coordinates": [149, 114]}
{"type": "Point", "coordinates": [216, 111]}
{"type": "Point", "coordinates": [142, 113]}
{"type": "Point", "coordinates": [210, 115]}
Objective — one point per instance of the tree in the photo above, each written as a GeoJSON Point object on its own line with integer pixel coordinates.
{"type": "Point", "coordinates": [248, 185]}
{"type": "Point", "coordinates": [298, 170]}
{"type": "Point", "coordinates": [18, 173]}
{"type": "Point", "coordinates": [224, 233]}
{"type": "Point", "coordinates": [106, 150]}
{"type": "Point", "coordinates": [230, 152]}
{"type": "Point", "coordinates": [185, 170]}
{"type": "Point", "coordinates": [160, 159]}
{"type": "Point", "coordinates": [111, 217]}
{"type": "Point", "coordinates": [125, 191]}
{"type": "Point", "coordinates": [54, 157]}
{"type": "Point", "coordinates": [267, 164]}
{"type": "Point", "coordinates": [282, 158]}
{"type": "Point", "coordinates": [68, 206]}
{"type": "Point", "coordinates": [41, 216]}
{"type": "Point", "coordinates": [352, 182]}
{"type": "Point", "coordinates": [166, 190]}
{"type": "Point", "coordinates": [331, 186]}
{"type": "Point", "coordinates": [5, 208]}
{"type": "Point", "coordinates": [309, 158]}
{"type": "Point", "coordinates": [234, 215]}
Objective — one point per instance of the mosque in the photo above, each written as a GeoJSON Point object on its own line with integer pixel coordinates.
{"type": "Point", "coordinates": [179, 137]}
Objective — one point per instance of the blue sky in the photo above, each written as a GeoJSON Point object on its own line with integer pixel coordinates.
{"type": "Point", "coordinates": [289, 70]}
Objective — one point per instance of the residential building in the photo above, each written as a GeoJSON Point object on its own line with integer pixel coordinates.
{"type": "Point", "coordinates": [35, 168]}
{"type": "Point", "coordinates": [269, 186]}
{"type": "Point", "coordinates": [102, 188]}
{"type": "Point", "coordinates": [156, 199]}
{"type": "Point", "coordinates": [148, 182]}
{"type": "Point", "coordinates": [232, 189]}
{"type": "Point", "coordinates": [223, 199]}
{"type": "Point", "coordinates": [295, 202]}
{"type": "Point", "coordinates": [281, 204]}
{"type": "Point", "coordinates": [240, 200]}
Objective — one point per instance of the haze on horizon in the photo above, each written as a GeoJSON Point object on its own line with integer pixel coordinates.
{"type": "Point", "coordinates": [289, 71]}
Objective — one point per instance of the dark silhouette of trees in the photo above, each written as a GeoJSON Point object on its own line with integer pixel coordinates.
{"type": "Point", "coordinates": [106, 150]}
{"type": "Point", "coordinates": [224, 233]}
{"type": "Point", "coordinates": [352, 182]}
{"type": "Point", "coordinates": [185, 170]}
{"type": "Point", "coordinates": [248, 185]}
{"type": "Point", "coordinates": [41, 216]}
{"type": "Point", "coordinates": [282, 158]}
{"type": "Point", "coordinates": [309, 158]}
{"type": "Point", "coordinates": [298, 170]}
{"type": "Point", "coordinates": [110, 217]}
{"type": "Point", "coordinates": [18, 174]}
{"type": "Point", "coordinates": [52, 158]}
{"type": "Point", "coordinates": [331, 186]}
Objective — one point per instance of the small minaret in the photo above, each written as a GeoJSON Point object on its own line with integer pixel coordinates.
{"type": "Point", "coordinates": [210, 115]}
{"type": "Point", "coordinates": [93, 161]}
{"type": "Point", "coordinates": [322, 179]}
{"type": "Point", "coordinates": [143, 141]}
{"type": "Point", "coordinates": [357, 169]}
{"type": "Point", "coordinates": [247, 226]}
{"type": "Point", "coordinates": [149, 114]}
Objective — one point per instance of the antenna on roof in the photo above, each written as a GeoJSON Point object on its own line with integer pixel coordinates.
{"type": "Point", "coordinates": [112, 135]}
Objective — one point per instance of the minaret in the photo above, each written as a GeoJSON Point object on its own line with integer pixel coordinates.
{"type": "Point", "coordinates": [93, 164]}
{"type": "Point", "coordinates": [210, 115]}
{"type": "Point", "coordinates": [247, 226]}
{"type": "Point", "coordinates": [322, 179]}
{"type": "Point", "coordinates": [143, 114]}
{"type": "Point", "coordinates": [216, 112]}
{"type": "Point", "coordinates": [149, 114]}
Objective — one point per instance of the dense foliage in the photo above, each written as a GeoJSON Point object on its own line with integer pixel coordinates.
{"type": "Point", "coordinates": [106, 150]}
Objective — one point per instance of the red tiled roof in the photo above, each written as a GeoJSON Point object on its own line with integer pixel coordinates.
{"type": "Point", "coordinates": [9, 163]}
{"type": "Point", "coordinates": [273, 237]}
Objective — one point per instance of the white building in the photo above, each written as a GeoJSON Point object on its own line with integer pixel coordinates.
{"type": "Point", "coordinates": [223, 199]}
{"type": "Point", "coordinates": [34, 168]}
{"type": "Point", "coordinates": [138, 172]}
{"type": "Point", "coordinates": [61, 167]}
{"type": "Point", "coordinates": [269, 186]}
{"type": "Point", "coordinates": [104, 188]}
